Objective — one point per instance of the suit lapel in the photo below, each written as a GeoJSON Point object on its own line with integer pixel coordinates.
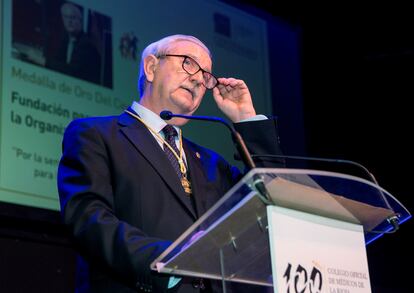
{"type": "Point", "coordinates": [146, 144]}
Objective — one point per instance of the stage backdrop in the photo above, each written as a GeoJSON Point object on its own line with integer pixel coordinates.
{"type": "Point", "coordinates": [39, 98]}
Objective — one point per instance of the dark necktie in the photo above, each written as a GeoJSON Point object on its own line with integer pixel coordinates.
{"type": "Point", "coordinates": [69, 50]}
{"type": "Point", "coordinates": [170, 134]}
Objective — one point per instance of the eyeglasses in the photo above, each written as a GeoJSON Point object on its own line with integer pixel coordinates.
{"type": "Point", "coordinates": [192, 67]}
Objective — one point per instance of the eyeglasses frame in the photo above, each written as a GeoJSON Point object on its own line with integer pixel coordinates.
{"type": "Point", "coordinates": [200, 69]}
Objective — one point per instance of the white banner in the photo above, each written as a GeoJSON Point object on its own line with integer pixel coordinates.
{"type": "Point", "coordinates": [313, 254]}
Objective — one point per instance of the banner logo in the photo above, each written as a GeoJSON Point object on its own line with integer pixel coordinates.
{"type": "Point", "coordinates": [300, 280]}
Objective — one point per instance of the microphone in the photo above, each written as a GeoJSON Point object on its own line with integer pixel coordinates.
{"type": "Point", "coordinates": [240, 146]}
{"type": "Point", "coordinates": [166, 115]}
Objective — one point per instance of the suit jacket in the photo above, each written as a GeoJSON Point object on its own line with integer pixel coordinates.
{"type": "Point", "coordinates": [123, 203]}
{"type": "Point", "coordinates": [85, 62]}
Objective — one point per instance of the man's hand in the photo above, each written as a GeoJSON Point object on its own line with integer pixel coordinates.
{"type": "Point", "coordinates": [233, 99]}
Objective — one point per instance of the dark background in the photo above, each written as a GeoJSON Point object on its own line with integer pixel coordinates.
{"type": "Point", "coordinates": [357, 87]}
{"type": "Point", "coordinates": [356, 84]}
{"type": "Point", "coordinates": [357, 90]}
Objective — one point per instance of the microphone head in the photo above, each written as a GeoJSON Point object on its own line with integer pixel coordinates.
{"type": "Point", "coordinates": [166, 115]}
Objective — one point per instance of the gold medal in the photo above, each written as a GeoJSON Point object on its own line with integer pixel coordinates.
{"type": "Point", "coordinates": [186, 185]}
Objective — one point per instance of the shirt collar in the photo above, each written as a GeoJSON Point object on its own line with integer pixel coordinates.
{"type": "Point", "coordinates": [152, 119]}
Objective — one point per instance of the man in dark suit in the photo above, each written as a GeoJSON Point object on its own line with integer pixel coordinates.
{"type": "Point", "coordinates": [76, 55]}
{"type": "Point", "coordinates": [126, 195]}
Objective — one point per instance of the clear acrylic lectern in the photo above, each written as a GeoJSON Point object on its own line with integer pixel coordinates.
{"type": "Point", "coordinates": [230, 241]}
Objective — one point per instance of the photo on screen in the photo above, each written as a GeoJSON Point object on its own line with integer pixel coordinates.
{"type": "Point", "coordinates": [65, 37]}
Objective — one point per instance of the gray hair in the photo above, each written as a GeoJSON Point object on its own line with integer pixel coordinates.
{"type": "Point", "coordinates": [160, 48]}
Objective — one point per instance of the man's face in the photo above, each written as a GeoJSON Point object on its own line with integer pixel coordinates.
{"type": "Point", "coordinates": [173, 88]}
{"type": "Point", "coordinates": [72, 18]}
